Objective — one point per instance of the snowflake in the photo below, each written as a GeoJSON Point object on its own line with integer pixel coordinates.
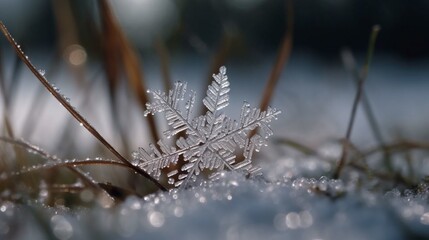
{"type": "Point", "coordinates": [208, 142]}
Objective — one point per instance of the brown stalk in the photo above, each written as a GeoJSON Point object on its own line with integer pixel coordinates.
{"type": "Point", "coordinates": [120, 49]}
{"type": "Point", "coordinates": [74, 163]}
{"type": "Point", "coordinates": [71, 109]}
{"type": "Point", "coordinates": [397, 147]}
{"type": "Point", "coordinates": [358, 96]}
{"type": "Point", "coordinates": [111, 61]}
{"type": "Point", "coordinates": [28, 147]}
{"type": "Point", "coordinates": [282, 59]}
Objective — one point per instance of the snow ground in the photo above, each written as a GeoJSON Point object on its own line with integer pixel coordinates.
{"type": "Point", "coordinates": [234, 208]}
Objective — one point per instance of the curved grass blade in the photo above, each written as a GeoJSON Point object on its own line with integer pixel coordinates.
{"type": "Point", "coordinates": [71, 109]}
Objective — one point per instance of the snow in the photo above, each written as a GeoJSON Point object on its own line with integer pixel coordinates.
{"type": "Point", "coordinates": [234, 207]}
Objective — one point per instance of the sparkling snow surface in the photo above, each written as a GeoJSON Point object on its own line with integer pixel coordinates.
{"type": "Point", "coordinates": [234, 208]}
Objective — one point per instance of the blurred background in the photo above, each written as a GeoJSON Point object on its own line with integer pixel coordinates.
{"type": "Point", "coordinates": [197, 27]}
{"type": "Point", "coordinates": [103, 55]}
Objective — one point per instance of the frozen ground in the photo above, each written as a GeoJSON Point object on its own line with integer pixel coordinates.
{"type": "Point", "coordinates": [291, 201]}
{"type": "Point", "coordinates": [235, 208]}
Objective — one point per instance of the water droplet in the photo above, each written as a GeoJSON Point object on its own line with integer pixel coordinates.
{"type": "Point", "coordinates": [292, 220]}
{"type": "Point", "coordinates": [42, 72]}
{"type": "Point", "coordinates": [202, 199]}
{"type": "Point", "coordinates": [62, 228]}
{"type": "Point", "coordinates": [136, 205]}
{"type": "Point", "coordinates": [156, 219]}
{"type": "Point", "coordinates": [178, 211]}
{"type": "Point", "coordinates": [424, 219]}
{"type": "Point", "coordinates": [76, 54]}
{"type": "Point", "coordinates": [3, 208]}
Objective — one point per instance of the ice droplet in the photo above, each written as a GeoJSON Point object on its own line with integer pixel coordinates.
{"type": "Point", "coordinates": [156, 219]}
{"type": "Point", "coordinates": [178, 211]}
{"type": "Point", "coordinates": [61, 227]}
{"type": "Point", "coordinates": [42, 72]}
{"type": "Point", "coordinates": [424, 219]}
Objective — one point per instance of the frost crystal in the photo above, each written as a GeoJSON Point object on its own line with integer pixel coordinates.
{"type": "Point", "coordinates": [208, 142]}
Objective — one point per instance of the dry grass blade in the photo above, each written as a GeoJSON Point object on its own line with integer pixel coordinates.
{"type": "Point", "coordinates": [398, 147]}
{"type": "Point", "coordinates": [71, 109]}
{"type": "Point", "coordinates": [111, 59]}
{"type": "Point", "coordinates": [358, 96]}
{"type": "Point", "coordinates": [19, 143]}
{"type": "Point", "coordinates": [119, 46]}
{"type": "Point", "coordinates": [350, 64]}
{"type": "Point", "coordinates": [282, 59]}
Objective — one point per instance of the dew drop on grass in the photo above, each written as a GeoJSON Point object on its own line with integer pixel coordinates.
{"type": "Point", "coordinates": [135, 158]}
{"type": "Point", "coordinates": [42, 72]}
{"type": "Point", "coordinates": [170, 181]}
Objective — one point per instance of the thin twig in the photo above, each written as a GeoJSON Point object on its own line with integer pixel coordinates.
{"type": "Point", "coordinates": [350, 64]}
{"type": "Point", "coordinates": [71, 109]}
{"type": "Point", "coordinates": [363, 76]}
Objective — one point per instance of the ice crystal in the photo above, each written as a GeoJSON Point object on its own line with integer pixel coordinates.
{"type": "Point", "coordinates": [207, 142]}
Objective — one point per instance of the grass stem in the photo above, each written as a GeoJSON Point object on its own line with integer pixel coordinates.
{"type": "Point", "coordinates": [358, 96]}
